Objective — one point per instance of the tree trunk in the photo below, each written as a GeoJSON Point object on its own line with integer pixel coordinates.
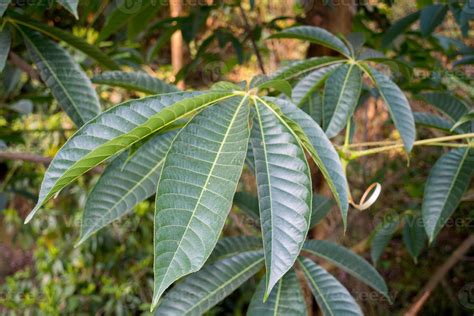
{"type": "Point", "coordinates": [176, 8]}
{"type": "Point", "coordinates": [336, 18]}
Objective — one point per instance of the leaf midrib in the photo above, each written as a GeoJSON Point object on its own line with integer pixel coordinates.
{"type": "Point", "coordinates": [311, 280]}
{"type": "Point", "coordinates": [342, 91]}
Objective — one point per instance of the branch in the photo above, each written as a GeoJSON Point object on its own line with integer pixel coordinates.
{"type": "Point", "coordinates": [21, 156]}
{"type": "Point", "coordinates": [248, 29]}
{"type": "Point", "coordinates": [438, 276]}
{"type": "Point", "coordinates": [23, 65]}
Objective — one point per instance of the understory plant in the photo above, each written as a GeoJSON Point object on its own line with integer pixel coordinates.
{"type": "Point", "coordinates": [188, 148]}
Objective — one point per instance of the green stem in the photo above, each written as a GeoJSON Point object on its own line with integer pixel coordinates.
{"type": "Point", "coordinates": [425, 142]}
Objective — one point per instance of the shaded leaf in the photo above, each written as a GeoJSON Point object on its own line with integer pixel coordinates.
{"type": "Point", "coordinates": [279, 85]}
{"type": "Point", "coordinates": [331, 296]}
{"type": "Point", "coordinates": [432, 16]}
{"type": "Point", "coordinates": [135, 81]}
{"type": "Point", "coordinates": [398, 28]}
{"type": "Point", "coordinates": [448, 180]}
{"type": "Point", "coordinates": [382, 237]}
{"type": "Point", "coordinates": [349, 262]}
{"type": "Point", "coordinates": [469, 117]}
{"type": "Point", "coordinates": [321, 207]}
{"type": "Point", "coordinates": [196, 187]}
{"type": "Point", "coordinates": [284, 190]}
{"type": "Point", "coordinates": [414, 236]}
{"type": "Point", "coordinates": [341, 95]}
{"type": "Point", "coordinates": [5, 42]}
{"type": "Point", "coordinates": [90, 50]}
{"type": "Point", "coordinates": [432, 120]}
{"type": "Point", "coordinates": [285, 299]}
{"type": "Point", "coordinates": [126, 182]}
{"type": "Point", "coordinates": [247, 203]}
{"type": "Point", "coordinates": [200, 291]}
{"type": "Point", "coordinates": [232, 246]}
{"type": "Point", "coordinates": [314, 35]}
{"type": "Point", "coordinates": [313, 106]}
{"type": "Point", "coordinates": [68, 83]}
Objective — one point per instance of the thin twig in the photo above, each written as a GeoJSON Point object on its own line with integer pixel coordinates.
{"type": "Point", "coordinates": [439, 274]}
{"type": "Point", "coordinates": [252, 40]}
{"type": "Point", "coordinates": [29, 157]}
{"type": "Point", "coordinates": [23, 65]}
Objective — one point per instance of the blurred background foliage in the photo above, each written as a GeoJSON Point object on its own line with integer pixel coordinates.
{"type": "Point", "coordinates": [40, 270]}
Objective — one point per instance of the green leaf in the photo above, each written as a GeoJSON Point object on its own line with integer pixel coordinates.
{"type": "Point", "coordinates": [232, 246]}
{"type": "Point", "coordinates": [57, 34]}
{"type": "Point", "coordinates": [306, 87]}
{"type": "Point", "coordinates": [398, 106]}
{"type": "Point", "coordinates": [313, 106]}
{"type": "Point", "coordinates": [248, 204]}
{"type": "Point", "coordinates": [394, 64]}
{"type": "Point", "coordinates": [285, 299]}
{"type": "Point", "coordinates": [125, 183]}
{"type": "Point", "coordinates": [296, 69]}
{"type": "Point", "coordinates": [68, 83]}
{"type": "Point", "coordinates": [432, 16]}
{"type": "Point", "coordinates": [433, 121]}
{"type": "Point", "coordinates": [414, 236]}
{"type": "Point", "coordinates": [315, 35]}
{"type": "Point", "coordinates": [398, 28]}
{"type": "Point", "coordinates": [382, 237]}
{"type": "Point", "coordinates": [125, 13]}
{"type": "Point", "coordinates": [279, 85]}
{"type": "Point", "coordinates": [341, 95]}
{"type": "Point", "coordinates": [135, 81]}
{"type": "Point", "coordinates": [331, 296]}
{"type": "Point", "coordinates": [322, 151]}
{"type": "Point", "coordinates": [321, 207]}
{"type": "Point", "coordinates": [196, 187]}
{"type": "Point", "coordinates": [447, 103]}
{"type": "Point", "coordinates": [114, 131]}
{"type": "Point", "coordinates": [3, 6]}
{"type": "Point", "coordinates": [200, 291]}
{"type": "Point", "coordinates": [448, 180]}
{"type": "Point", "coordinates": [70, 5]}
{"type": "Point", "coordinates": [5, 42]}
{"type": "Point", "coordinates": [349, 262]}
{"type": "Point", "coordinates": [284, 191]}
{"type": "Point", "coordinates": [469, 117]}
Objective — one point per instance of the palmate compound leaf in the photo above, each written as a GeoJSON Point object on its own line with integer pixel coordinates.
{"type": "Point", "coordinates": [397, 104]}
{"type": "Point", "coordinates": [200, 291]}
{"type": "Point", "coordinates": [331, 296]}
{"type": "Point", "coordinates": [285, 299]}
{"type": "Point", "coordinates": [448, 180]}
{"type": "Point", "coordinates": [315, 35]}
{"type": "Point", "coordinates": [136, 81]}
{"type": "Point", "coordinates": [316, 143]}
{"type": "Point", "coordinates": [349, 262]}
{"type": "Point", "coordinates": [68, 83]}
{"type": "Point", "coordinates": [284, 191]}
{"type": "Point", "coordinates": [126, 182]}
{"type": "Point", "coordinates": [195, 190]}
{"type": "Point", "coordinates": [116, 130]}
{"type": "Point", "coordinates": [341, 95]}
